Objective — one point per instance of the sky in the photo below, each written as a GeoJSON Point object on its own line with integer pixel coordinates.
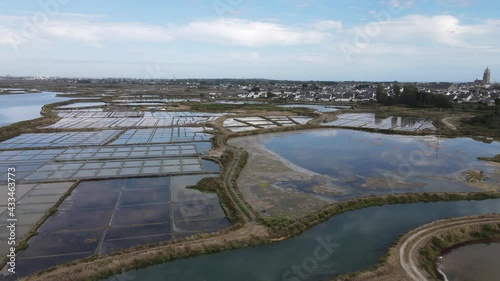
{"type": "Point", "coordinates": [332, 40]}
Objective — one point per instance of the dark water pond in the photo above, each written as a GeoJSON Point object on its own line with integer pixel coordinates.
{"type": "Point", "coordinates": [348, 242]}
{"type": "Point", "coordinates": [472, 262]}
{"type": "Point", "coordinates": [100, 217]}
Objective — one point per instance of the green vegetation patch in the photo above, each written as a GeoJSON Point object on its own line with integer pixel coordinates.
{"type": "Point", "coordinates": [483, 123]}
{"type": "Point", "coordinates": [263, 184]}
{"type": "Point", "coordinates": [211, 184]}
{"type": "Point", "coordinates": [412, 97]}
{"type": "Point", "coordinates": [297, 226]}
{"type": "Point", "coordinates": [491, 159]}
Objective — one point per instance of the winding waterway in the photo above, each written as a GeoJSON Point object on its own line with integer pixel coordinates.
{"type": "Point", "coordinates": [20, 107]}
{"type": "Point", "coordinates": [348, 242]}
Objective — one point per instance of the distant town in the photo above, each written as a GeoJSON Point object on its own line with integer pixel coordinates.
{"type": "Point", "coordinates": [478, 91]}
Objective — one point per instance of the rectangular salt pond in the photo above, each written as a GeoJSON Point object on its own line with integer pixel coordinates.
{"type": "Point", "coordinates": [150, 120]}
{"type": "Point", "coordinates": [370, 120]}
{"type": "Point", "coordinates": [250, 119]}
{"type": "Point", "coordinates": [33, 201]}
{"type": "Point", "coordinates": [100, 217]}
{"type": "Point", "coordinates": [59, 139]}
{"type": "Point", "coordinates": [163, 135]}
{"type": "Point", "coordinates": [107, 114]}
{"type": "Point", "coordinates": [119, 168]}
{"type": "Point", "coordinates": [240, 128]}
{"type": "Point", "coordinates": [109, 161]}
{"type": "Point", "coordinates": [241, 124]}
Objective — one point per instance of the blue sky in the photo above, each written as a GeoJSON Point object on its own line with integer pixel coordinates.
{"type": "Point", "coordinates": [405, 40]}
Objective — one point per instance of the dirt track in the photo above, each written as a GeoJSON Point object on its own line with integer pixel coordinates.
{"type": "Point", "coordinates": [447, 123]}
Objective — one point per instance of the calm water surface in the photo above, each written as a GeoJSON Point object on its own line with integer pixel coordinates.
{"type": "Point", "coordinates": [369, 163]}
{"type": "Point", "coordinates": [348, 242]}
{"type": "Point", "coordinates": [21, 107]}
{"type": "Point", "coordinates": [473, 262]}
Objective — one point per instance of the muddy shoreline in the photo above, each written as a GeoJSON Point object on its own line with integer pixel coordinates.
{"type": "Point", "coordinates": [274, 186]}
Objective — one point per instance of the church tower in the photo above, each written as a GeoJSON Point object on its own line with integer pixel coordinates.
{"type": "Point", "coordinates": [487, 76]}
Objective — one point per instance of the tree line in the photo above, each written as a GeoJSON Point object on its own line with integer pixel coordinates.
{"type": "Point", "coordinates": [411, 96]}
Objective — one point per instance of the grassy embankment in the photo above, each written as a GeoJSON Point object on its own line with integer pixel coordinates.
{"type": "Point", "coordinates": [226, 159]}
{"type": "Point", "coordinates": [284, 227]}
{"type": "Point", "coordinates": [491, 159]}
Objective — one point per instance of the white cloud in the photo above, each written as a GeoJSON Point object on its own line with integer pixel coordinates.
{"type": "Point", "coordinates": [443, 30]}
{"type": "Point", "coordinates": [307, 48]}
{"type": "Point", "coordinates": [222, 31]}
{"type": "Point", "coordinates": [411, 29]}
{"type": "Point", "coordinates": [327, 25]}
{"type": "Point", "coordinates": [8, 37]}
{"type": "Point", "coordinates": [250, 33]}
{"type": "Point", "coordinates": [97, 33]}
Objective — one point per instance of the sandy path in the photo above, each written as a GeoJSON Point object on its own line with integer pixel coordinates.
{"type": "Point", "coordinates": [447, 123]}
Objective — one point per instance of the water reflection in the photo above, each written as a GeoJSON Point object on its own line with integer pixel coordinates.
{"type": "Point", "coordinates": [398, 121]}
{"type": "Point", "coordinates": [366, 163]}
{"type": "Point", "coordinates": [349, 242]}
{"type": "Point", "coordinates": [21, 107]}
{"type": "Point", "coordinates": [381, 121]}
